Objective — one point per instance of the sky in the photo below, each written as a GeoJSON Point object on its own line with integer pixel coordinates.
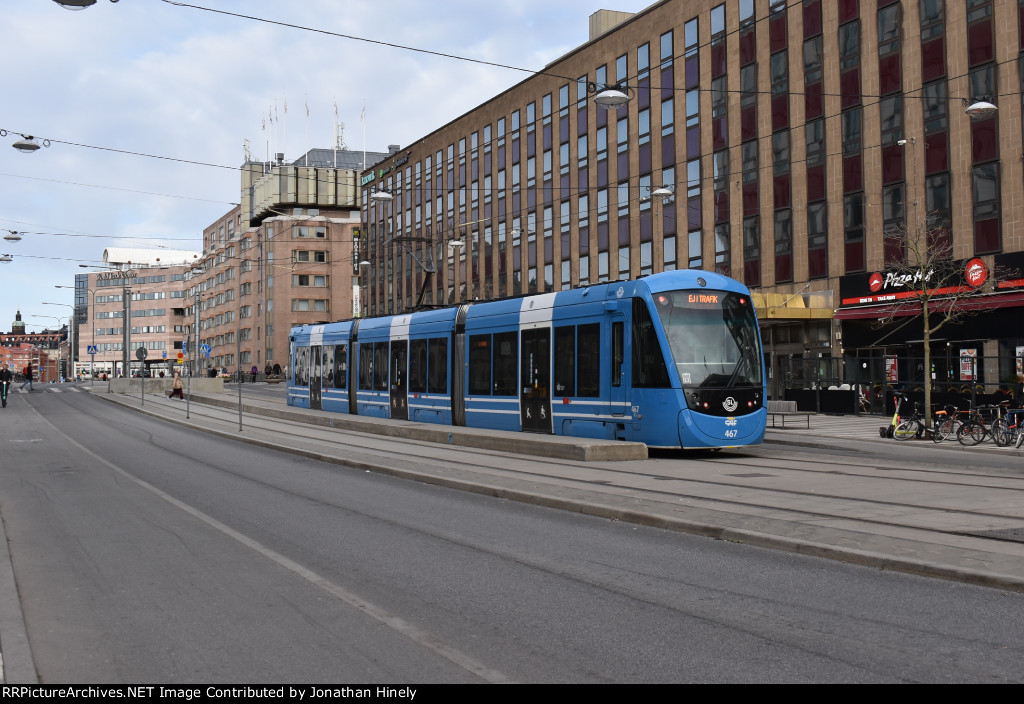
{"type": "Point", "coordinates": [190, 85]}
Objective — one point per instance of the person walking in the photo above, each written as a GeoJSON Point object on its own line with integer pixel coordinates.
{"type": "Point", "coordinates": [6, 377]}
{"type": "Point", "coordinates": [28, 378]}
{"type": "Point", "coordinates": [177, 388]}
{"type": "Point", "coordinates": [254, 371]}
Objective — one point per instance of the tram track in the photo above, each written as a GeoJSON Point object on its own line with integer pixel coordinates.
{"type": "Point", "coordinates": [373, 453]}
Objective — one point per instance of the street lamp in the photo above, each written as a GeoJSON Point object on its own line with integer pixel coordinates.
{"type": "Point", "coordinates": [455, 280]}
{"type": "Point", "coordinates": [27, 144]}
{"type": "Point", "coordinates": [610, 97]}
{"type": "Point", "coordinates": [77, 4]}
{"type": "Point", "coordinates": [92, 316]}
{"type": "Point", "coordinates": [979, 109]}
{"type": "Point", "coordinates": [364, 271]}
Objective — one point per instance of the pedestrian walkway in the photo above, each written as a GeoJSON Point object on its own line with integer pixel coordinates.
{"type": "Point", "coordinates": [916, 506]}
{"type": "Point", "coordinates": [829, 426]}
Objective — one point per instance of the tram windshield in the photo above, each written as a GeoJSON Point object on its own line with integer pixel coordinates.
{"type": "Point", "coordinates": [713, 337]}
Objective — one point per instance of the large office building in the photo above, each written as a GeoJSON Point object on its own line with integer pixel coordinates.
{"type": "Point", "coordinates": [776, 141]}
{"type": "Point", "coordinates": [145, 287]}
{"type": "Point", "coordinates": [284, 257]}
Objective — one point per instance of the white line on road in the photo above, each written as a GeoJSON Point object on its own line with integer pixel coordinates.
{"type": "Point", "coordinates": [396, 623]}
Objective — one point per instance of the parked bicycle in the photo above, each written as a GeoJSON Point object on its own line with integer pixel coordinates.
{"type": "Point", "coordinates": [947, 422]}
{"type": "Point", "coordinates": [975, 429]}
{"type": "Point", "coordinates": [911, 426]}
{"type": "Point", "coordinates": [1006, 430]}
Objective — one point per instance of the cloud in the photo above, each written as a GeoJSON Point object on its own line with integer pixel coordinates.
{"type": "Point", "coordinates": [149, 77]}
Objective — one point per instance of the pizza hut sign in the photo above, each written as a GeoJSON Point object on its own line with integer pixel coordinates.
{"type": "Point", "coordinates": [976, 273]}
{"type": "Point", "coordinates": [892, 279]}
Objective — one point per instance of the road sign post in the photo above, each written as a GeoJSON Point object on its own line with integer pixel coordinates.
{"type": "Point", "coordinates": [141, 354]}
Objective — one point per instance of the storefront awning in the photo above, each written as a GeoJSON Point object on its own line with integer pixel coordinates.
{"type": "Point", "coordinates": [804, 306]}
{"type": "Point", "coordinates": [905, 309]}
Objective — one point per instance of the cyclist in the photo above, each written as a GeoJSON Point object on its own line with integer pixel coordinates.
{"type": "Point", "coordinates": [6, 377]}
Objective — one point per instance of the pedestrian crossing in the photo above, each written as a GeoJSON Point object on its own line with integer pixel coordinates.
{"type": "Point", "coordinates": [50, 389]}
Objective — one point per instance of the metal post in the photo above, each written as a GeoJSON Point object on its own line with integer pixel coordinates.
{"type": "Point", "coordinates": [92, 357]}
{"type": "Point", "coordinates": [188, 393]}
{"type": "Point", "coordinates": [238, 363]}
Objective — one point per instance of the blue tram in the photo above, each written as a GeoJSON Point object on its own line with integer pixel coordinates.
{"type": "Point", "coordinates": [670, 360]}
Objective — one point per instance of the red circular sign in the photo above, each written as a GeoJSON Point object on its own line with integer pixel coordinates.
{"type": "Point", "coordinates": [976, 272]}
{"type": "Point", "coordinates": [875, 283]}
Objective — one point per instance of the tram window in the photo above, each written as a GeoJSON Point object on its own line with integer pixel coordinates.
{"type": "Point", "coordinates": [437, 380]}
{"type": "Point", "coordinates": [366, 367]}
{"type": "Point", "coordinates": [480, 365]}
{"type": "Point", "coordinates": [302, 366]}
{"type": "Point", "coordinates": [418, 366]}
{"type": "Point", "coordinates": [565, 361]}
{"type": "Point", "coordinates": [380, 366]}
{"type": "Point", "coordinates": [328, 367]}
{"type": "Point", "coordinates": [588, 360]}
{"type": "Point", "coordinates": [617, 352]}
{"type": "Point", "coordinates": [505, 363]}
{"type": "Point", "coordinates": [649, 368]}
{"type": "Point", "coordinates": [341, 367]}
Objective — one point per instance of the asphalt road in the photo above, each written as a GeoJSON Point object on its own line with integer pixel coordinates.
{"type": "Point", "coordinates": [144, 551]}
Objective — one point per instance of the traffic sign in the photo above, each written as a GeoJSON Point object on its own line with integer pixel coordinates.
{"type": "Point", "coordinates": [91, 349]}
{"type": "Point", "coordinates": [141, 353]}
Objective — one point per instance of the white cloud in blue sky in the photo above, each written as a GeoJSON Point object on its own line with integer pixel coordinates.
{"type": "Point", "coordinates": [147, 76]}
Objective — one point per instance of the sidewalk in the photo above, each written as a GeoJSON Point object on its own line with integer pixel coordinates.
{"type": "Point", "coordinates": [860, 503]}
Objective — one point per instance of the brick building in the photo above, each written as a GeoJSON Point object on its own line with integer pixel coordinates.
{"type": "Point", "coordinates": [145, 286]}
{"type": "Point", "coordinates": [789, 135]}
{"type": "Point", "coordinates": [283, 257]}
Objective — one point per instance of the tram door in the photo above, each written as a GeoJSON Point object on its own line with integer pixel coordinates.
{"type": "Point", "coordinates": [617, 394]}
{"type": "Point", "coordinates": [315, 376]}
{"type": "Point", "coordinates": [535, 379]}
{"type": "Point", "coordinates": [399, 380]}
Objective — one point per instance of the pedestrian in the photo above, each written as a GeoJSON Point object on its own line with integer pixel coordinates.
{"type": "Point", "coordinates": [1018, 391]}
{"type": "Point", "coordinates": [176, 390]}
{"type": "Point", "coordinates": [6, 377]}
{"type": "Point", "coordinates": [28, 378]}
{"type": "Point", "coordinates": [255, 370]}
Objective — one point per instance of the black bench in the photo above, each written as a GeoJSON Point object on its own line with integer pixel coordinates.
{"type": "Point", "coordinates": [787, 409]}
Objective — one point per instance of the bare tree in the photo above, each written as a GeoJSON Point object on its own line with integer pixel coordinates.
{"type": "Point", "coordinates": [923, 276]}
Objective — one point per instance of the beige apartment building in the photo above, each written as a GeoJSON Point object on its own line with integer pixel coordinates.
{"type": "Point", "coordinates": [284, 257]}
{"type": "Point", "coordinates": [145, 287]}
